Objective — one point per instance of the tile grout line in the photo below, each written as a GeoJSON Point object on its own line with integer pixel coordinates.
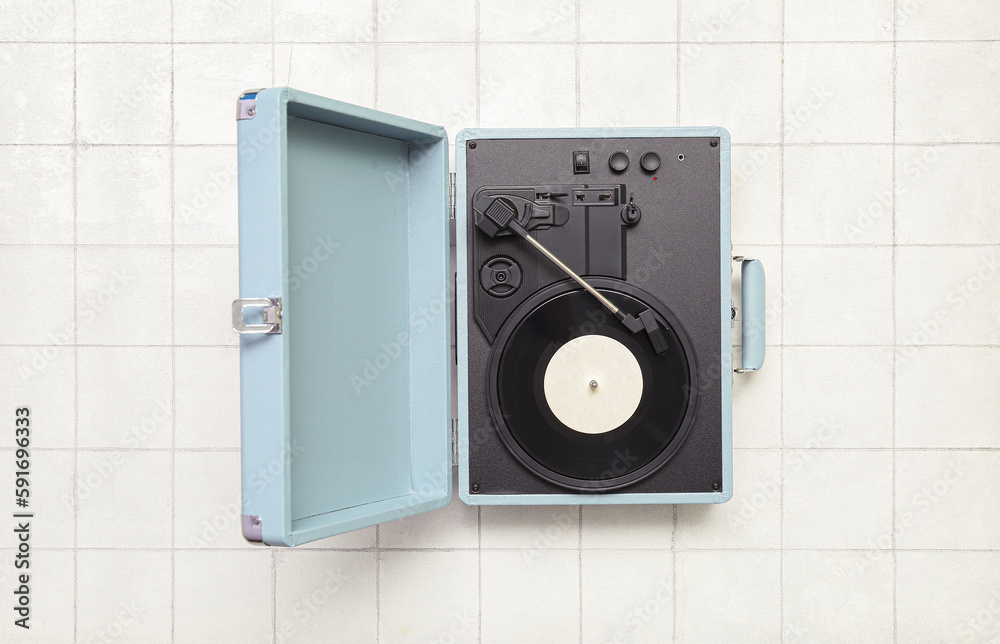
{"type": "Point", "coordinates": [677, 72]}
{"type": "Point", "coordinates": [579, 536]}
{"type": "Point", "coordinates": [801, 447]}
{"type": "Point", "coordinates": [274, 595]}
{"type": "Point", "coordinates": [378, 535]}
{"type": "Point", "coordinates": [479, 97]}
{"type": "Point", "coordinates": [781, 361]}
{"type": "Point", "coordinates": [371, 549]}
{"type": "Point", "coordinates": [76, 339]}
{"type": "Point", "coordinates": [274, 556]}
{"type": "Point", "coordinates": [631, 43]}
{"type": "Point", "coordinates": [576, 56]}
{"type": "Point", "coordinates": [871, 245]}
{"type": "Point", "coordinates": [744, 144]}
{"type": "Point", "coordinates": [274, 61]}
{"type": "Point", "coordinates": [375, 53]}
{"type": "Point", "coordinates": [236, 347]}
{"type": "Point", "coordinates": [674, 513]}
{"type": "Point", "coordinates": [579, 543]}
{"type": "Point", "coordinates": [173, 341]}
{"type": "Point", "coordinates": [479, 557]}
{"type": "Point", "coordinates": [673, 573]}
{"type": "Point", "coordinates": [895, 625]}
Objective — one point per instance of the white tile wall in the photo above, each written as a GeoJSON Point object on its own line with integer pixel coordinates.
{"type": "Point", "coordinates": [867, 145]}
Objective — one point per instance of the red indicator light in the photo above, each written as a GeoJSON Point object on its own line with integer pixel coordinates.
{"type": "Point", "coordinates": [654, 178]}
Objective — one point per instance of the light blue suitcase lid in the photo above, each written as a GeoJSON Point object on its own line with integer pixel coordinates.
{"type": "Point", "coordinates": [346, 412]}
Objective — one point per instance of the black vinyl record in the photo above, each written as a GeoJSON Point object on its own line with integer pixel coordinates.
{"type": "Point", "coordinates": [591, 462]}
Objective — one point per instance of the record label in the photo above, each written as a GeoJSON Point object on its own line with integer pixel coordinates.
{"type": "Point", "coordinates": [593, 384]}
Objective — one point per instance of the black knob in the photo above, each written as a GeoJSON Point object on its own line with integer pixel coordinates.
{"type": "Point", "coordinates": [650, 161]}
{"type": "Point", "coordinates": [618, 161]}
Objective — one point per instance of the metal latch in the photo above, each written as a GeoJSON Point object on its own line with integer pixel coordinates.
{"type": "Point", "coordinates": [270, 308]}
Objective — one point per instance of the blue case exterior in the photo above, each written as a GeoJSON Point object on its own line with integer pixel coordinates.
{"type": "Point", "coordinates": [725, 280]}
{"type": "Point", "coordinates": [316, 466]}
{"type": "Point", "coordinates": [754, 313]}
{"type": "Point", "coordinates": [329, 445]}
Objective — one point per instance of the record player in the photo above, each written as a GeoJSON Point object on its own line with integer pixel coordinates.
{"type": "Point", "coordinates": [571, 285]}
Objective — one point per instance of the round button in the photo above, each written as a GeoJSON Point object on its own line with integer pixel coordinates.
{"type": "Point", "coordinates": [618, 161]}
{"type": "Point", "coordinates": [650, 161]}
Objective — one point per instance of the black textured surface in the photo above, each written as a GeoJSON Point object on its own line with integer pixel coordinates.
{"type": "Point", "coordinates": [673, 253]}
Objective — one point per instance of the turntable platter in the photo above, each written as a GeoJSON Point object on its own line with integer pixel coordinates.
{"type": "Point", "coordinates": [581, 401]}
{"type": "Point", "coordinates": [593, 384]}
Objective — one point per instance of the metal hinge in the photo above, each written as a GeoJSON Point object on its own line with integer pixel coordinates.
{"type": "Point", "coordinates": [270, 309]}
{"type": "Point", "coordinates": [246, 104]}
{"type": "Point", "coordinates": [451, 194]}
{"type": "Point", "coordinates": [454, 441]}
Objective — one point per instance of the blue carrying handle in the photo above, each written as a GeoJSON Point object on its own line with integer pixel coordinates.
{"type": "Point", "coordinates": [753, 323]}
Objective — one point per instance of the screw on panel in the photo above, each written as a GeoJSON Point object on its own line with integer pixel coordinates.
{"type": "Point", "coordinates": [715, 486]}
{"type": "Point", "coordinates": [475, 487]}
{"type": "Point", "coordinates": [714, 143]}
{"type": "Point", "coordinates": [472, 145]}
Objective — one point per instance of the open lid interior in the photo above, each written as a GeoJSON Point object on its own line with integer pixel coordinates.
{"type": "Point", "coordinates": [345, 413]}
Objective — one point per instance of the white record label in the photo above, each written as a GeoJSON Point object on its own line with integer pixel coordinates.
{"type": "Point", "coordinates": [593, 384]}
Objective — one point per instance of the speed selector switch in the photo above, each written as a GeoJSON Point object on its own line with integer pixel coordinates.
{"type": "Point", "coordinates": [618, 161]}
{"type": "Point", "coordinates": [650, 161]}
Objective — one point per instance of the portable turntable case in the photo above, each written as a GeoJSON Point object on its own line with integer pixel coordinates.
{"type": "Point", "coordinates": [345, 322]}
